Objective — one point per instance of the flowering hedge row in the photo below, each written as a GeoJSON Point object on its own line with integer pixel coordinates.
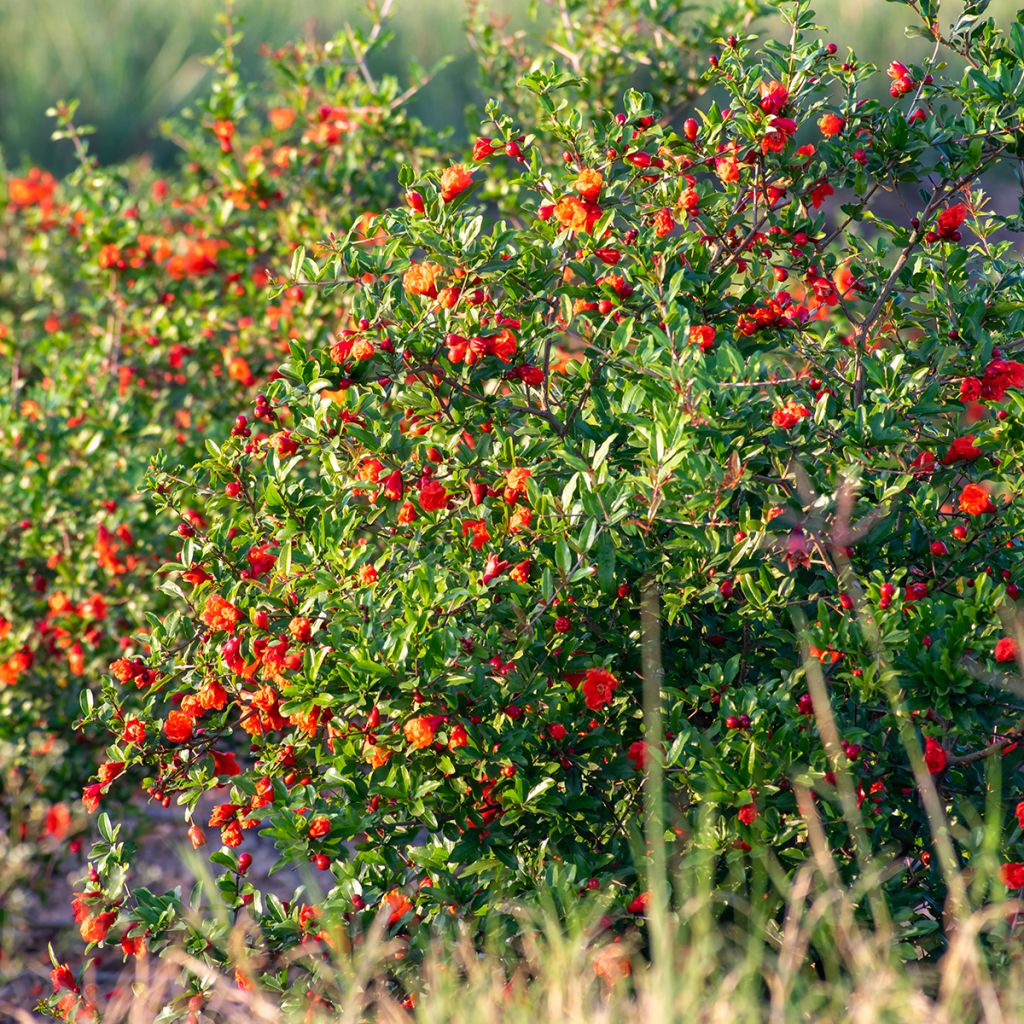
{"type": "Point", "coordinates": [726, 402]}
{"type": "Point", "coordinates": [141, 316]}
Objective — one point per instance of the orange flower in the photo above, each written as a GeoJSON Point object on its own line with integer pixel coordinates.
{"type": "Point", "coordinates": [831, 124]}
{"type": "Point", "coordinates": [974, 500]}
{"type": "Point", "coordinates": [282, 118]}
{"type": "Point", "coordinates": [521, 572]}
{"type": "Point", "coordinates": [520, 520]}
{"type": "Point", "coordinates": [611, 964]}
{"type": "Point", "coordinates": [454, 179]}
{"type": "Point", "coordinates": [421, 279]}
{"type": "Point", "coordinates": [574, 215]}
{"type": "Point", "coordinates": [35, 189]}
{"type": "Point", "coordinates": [727, 169]}
{"type": "Point", "coordinates": [515, 483]}
{"type": "Point", "coordinates": [397, 905]}
{"type": "Point", "coordinates": [588, 184]}
{"type": "Point", "coordinates": [663, 222]}
{"type": "Point", "coordinates": [95, 927]}
{"type": "Point", "coordinates": [220, 614]}
{"type": "Point", "coordinates": [374, 755]}
{"type": "Point", "coordinates": [213, 696]}
{"type": "Point", "coordinates": [178, 727]}
{"type": "Point", "coordinates": [419, 732]}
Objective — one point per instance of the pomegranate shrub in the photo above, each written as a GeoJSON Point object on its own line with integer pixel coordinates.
{"type": "Point", "coordinates": [140, 319]}
{"type": "Point", "coordinates": [746, 371]}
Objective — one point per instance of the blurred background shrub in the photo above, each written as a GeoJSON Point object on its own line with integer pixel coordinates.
{"type": "Point", "coordinates": [134, 62]}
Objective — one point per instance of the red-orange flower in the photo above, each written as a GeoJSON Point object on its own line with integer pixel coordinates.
{"type": "Point", "coordinates": [702, 335]}
{"type": "Point", "coordinates": [831, 124]}
{"type": "Point", "coordinates": [95, 927]}
{"type": "Point", "coordinates": [319, 827]}
{"type": "Point", "coordinates": [588, 183]}
{"type": "Point", "coordinates": [790, 414]}
{"type": "Point", "coordinates": [419, 732]}
{"type": "Point", "coordinates": [576, 216]}
{"type": "Point", "coordinates": [396, 904]}
{"type": "Point", "coordinates": [454, 180]}
{"type": "Point", "coordinates": [1012, 875]}
{"type": "Point", "coordinates": [178, 726]}
{"type": "Point", "coordinates": [220, 614]}
{"type": "Point", "coordinates": [974, 500]}
{"type": "Point", "coordinates": [421, 279]}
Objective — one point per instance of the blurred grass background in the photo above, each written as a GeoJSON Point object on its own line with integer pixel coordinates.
{"type": "Point", "coordinates": [134, 62]}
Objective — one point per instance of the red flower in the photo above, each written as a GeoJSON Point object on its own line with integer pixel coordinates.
{"type": "Point", "coordinates": [319, 827]}
{"type": "Point", "coordinates": [91, 796]}
{"type": "Point", "coordinates": [433, 496]}
{"type": "Point", "coordinates": [1006, 649]}
{"type": "Point", "coordinates": [62, 977]}
{"type": "Point", "coordinates": [598, 687]}
{"type": "Point", "coordinates": [963, 449]}
{"type": "Point", "coordinates": [493, 569]}
{"type": "Point", "coordinates": [482, 149]}
{"type": "Point", "coordinates": [639, 905]}
{"type": "Point", "coordinates": [1012, 875]}
{"type": "Point", "coordinates": [949, 221]}
{"type": "Point", "coordinates": [974, 500]}
{"type": "Point", "coordinates": [790, 414]}
{"type": "Point", "coordinates": [133, 945]}
{"type": "Point", "coordinates": [774, 96]}
{"type": "Point", "coordinates": [225, 764]}
{"type": "Point", "coordinates": [934, 756]}
{"type": "Point", "coordinates": [637, 753]}
{"type": "Point", "coordinates": [747, 814]}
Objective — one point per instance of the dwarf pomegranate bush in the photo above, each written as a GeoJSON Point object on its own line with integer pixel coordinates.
{"type": "Point", "coordinates": [138, 319]}
{"type": "Point", "coordinates": [745, 376]}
